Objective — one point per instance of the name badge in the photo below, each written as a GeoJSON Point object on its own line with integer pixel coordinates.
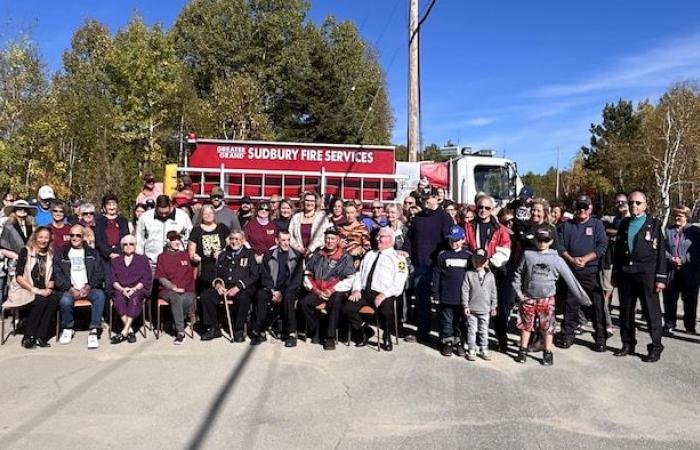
{"type": "Point", "coordinates": [589, 231]}
{"type": "Point", "coordinates": [270, 231]}
{"type": "Point", "coordinates": [184, 263]}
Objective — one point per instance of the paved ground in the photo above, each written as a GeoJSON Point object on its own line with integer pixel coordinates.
{"type": "Point", "coordinates": [215, 395]}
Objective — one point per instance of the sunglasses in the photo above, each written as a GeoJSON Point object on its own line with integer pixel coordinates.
{"type": "Point", "coordinates": [12, 200]}
{"type": "Point", "coordinates": [620, 202]}
{"type": "Point", "coordinates": [88, 214]}
{"type": "Point", "coordinates": [508, 222]}
{"type": "Point", "coordinates": [376, 207]}
{"type": "Point", "coordinates": [75, 235]}
{"type": "Point", "coordinates": [128, 244]}
{"type": "Point", "coordinates": [58, 211]}
{"type": "Point", "coordinates": [264, 208]}
{"type": "Point", "coordinates": [636, 202]}
{"type": "Point", "coordinates": [487, 208]}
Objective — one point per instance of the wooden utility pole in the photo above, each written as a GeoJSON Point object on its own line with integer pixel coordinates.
{"type": "Point", "coordinates": [556, 191]}
{"type": "Point", "coordinates": [413, 106]}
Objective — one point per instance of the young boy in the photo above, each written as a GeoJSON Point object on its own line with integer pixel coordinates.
{"type": "Point", "coordinates": [535, 286]}
{"type": "Point", "coordinates": [448, 276]}
{"type": "Point", "coordinates": [479, 300]}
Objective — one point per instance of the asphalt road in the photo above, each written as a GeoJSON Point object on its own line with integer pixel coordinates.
{"type": "Point", "coordinates": [214, 395]}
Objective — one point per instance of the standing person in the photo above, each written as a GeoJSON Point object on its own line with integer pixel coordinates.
{"type": "Point", "coordinates": [308, 225]}
{"type": "Point", "coordinates": [408, 202]}
{"type": "Point", "coordinates": [281, 275]}
{"type": "Point", "coordinates": [34, 285]}
{"type": "Point", "coordinates": [79, 274]}
{"type": "Point", "coordinates": [131, 285]}
{"type": "Point", "coordinates": [87, 220]}
{"type": "Point", "coordinates": [150, 190]}
{"type": "Point", "coordinates": [207, 240]}
{"type": "Point", "coordinates": [535, 284]}
{"type": "Point", "coordinates": [504, 283]}
{"type": "Point", "coordinates": [487, 233]}
{"type": "Point", "coordinates": [396, 224]}
{"type": "Point", "coordinates": [354, 236]}
{"type": "Point", "coordinates": [451, 209]}
{"type": "Point", "coordinates": [377, 220]}
{"type": "Point", "coordinates": [261, 231]}
{"type": "Point", "coordinates": [683, 260]}
{"type": "Point", "coordinates": [43, 214]}
{"type": "Point", "coordinates": [153, 226]}
{"type": "Point", "coordinates": [275, 200]}
{"type": "Point", "coordinates": [176, 280]}
{"type": "Point", "coordinates": [139, 209]}
{"type": "Point", "coordinates": [467, 214]}
{"type": "Point", "coordinates": [479, 300]}
{"type": "Point", "coordinates": [239, 271]}
{"type": "Point", "coordinates": [245, 213]}
{"type": "Point", "coordinates": [612, 225]}
{"type": "Point", "coordinates": [584, 242]}
{"type": "Point", "coordinates": [224, 215]}
{"type": "Point", "coordinates": [337, 212]}
{"type": "Point", "coordinates": [16, 231]}
{"type": "Point", "coordinates": [423, 242]}
{"type": "Point", "coordinates": [556, 214]}
{"type": "Point", "coordinates": [327, 279]}
{"type": "Point", "coordinates": [59, 226]}
{"type": "Point", "coordinates": [377, 286]}
{"type": "Point", "coordinates": [110, 228]}
{"type": "Point", "coordinates": [284, 215]}
{"type": "Point", "coordinates": [7, 200]}
{"type": "Point", "coordinates": [640, 272]}
{"type": "Point", "coordinates": [448, 276]}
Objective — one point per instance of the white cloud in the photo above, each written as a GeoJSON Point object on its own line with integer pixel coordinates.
{"type": "Point", "coordinates": [659, 66]}
{"type": "Point", "coordinates": [480, 121]}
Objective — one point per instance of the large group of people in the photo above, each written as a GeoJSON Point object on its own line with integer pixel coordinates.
{"type": "Point", "coordinates": [327, 260]}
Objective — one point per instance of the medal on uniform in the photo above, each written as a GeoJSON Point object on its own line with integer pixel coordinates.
{"type": "Point", "coordinates": [647, 236]}
{"type": "Point", "coordinates": [244, 262]}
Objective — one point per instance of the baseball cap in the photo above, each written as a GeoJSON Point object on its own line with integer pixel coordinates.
{"type": "Point", "coordinates": [423, 182]}
{"type": "Point", "coordinates": [46, 193]}
{"type": "Point", "coordinates": [173, 235]}
{"type": "Point", "coordinates": [543, 234]}
{"type": "Point", "coordinates": [149, 178]}
{"type": "Point", "coordinates": [246, 199]}
{"type": "Point", "coordinates": [583, 202]}
{"type": "Point", "coordinates": [217, 192]}
{"type": "Point", "coordinates": [456, 233]}
{"type": "Point", "coordinates": [481, 253]}
{"type": "Point", "coordinates": [526, 193]}
{"type": "Point", "coordinates": [332, 230]}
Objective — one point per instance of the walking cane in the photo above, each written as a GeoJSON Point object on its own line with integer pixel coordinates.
{"type": "Point", "coordinates": [215, 283]}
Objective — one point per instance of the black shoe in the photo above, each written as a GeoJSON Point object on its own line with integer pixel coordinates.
{"type": "Point", "coordinates": [388, 344]}
{"type": "Point", "coordinates": [599, 348]}
{"type": "Point", "coordinates": [367, 333]}
{"type": "Point", "coordinates": [547, 358]}
{"type": "Point", "coordinates": [43, 343]}
{"type": "Point", "coordinates": [565, 342]}
{"type": "Point", "coordinates": [238, 336]}
{"type": "Point", "coordinates": [28, 342]}
{"type": "Point", "coordinates": [668, 332]}
{"type": "Point", "coordinates": [522, 356]}
{"type": "Point", "coordinates": [654, 353]}
{"type": "Point", "coordinates": [446, 349]}
{"type": "Point", "coordinates": [625, 350]}
{"type": "Point", "coordinates": [117, 339]}
{"type": "Point", "coordinates": [291, 341]}
{"type": "Point", "coordinates": [131, 338]}
{"type": "Point", "coordinates": [460, 351]}
{"type": "Point", "coordinates": [315, 340]}
{"type": "Point", "coordinates": [99, 332]}
{"type": "Point", "coordinates": [411, 339]}
{"type": "Point", "coordinates": [503, 346]}
{"type": "Point", "coordinates": [329, 344]}
{"type": "Point", "coordinates": [212, 333]}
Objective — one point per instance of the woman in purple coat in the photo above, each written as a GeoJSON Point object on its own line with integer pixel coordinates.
{"type": "Point", "coordinates": [131, 284]}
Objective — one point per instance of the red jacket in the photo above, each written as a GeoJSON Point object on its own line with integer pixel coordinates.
{"type": "Point", "coordinates": [498, 247]}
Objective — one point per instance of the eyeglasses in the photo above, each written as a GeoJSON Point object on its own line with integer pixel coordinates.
{"type": "Point", "coordinates": [75, 235]}
{"type": "Point", "coordinates": [376, 207]}
{"type": "Point", "coordinates": [409, 203]}
{"type": "Point", "coordinates": [88, 214]}
{"type": "Point", "coordinates": [636, 202]}
{"type": "Point", "coordinates": [58, 211]}
{"type": "Point", "coordinates": [507, 223]}
{"type": "Point", "coordinates": [264, 208]}
{"type": "Point", "coordinates": [620, 202]}
{"type": "Point", "coordinates": [11, 200]}
{"type": "Point", "coordinates": [128, 244]}
{"type": "Point", "coordinates": [487, 208]}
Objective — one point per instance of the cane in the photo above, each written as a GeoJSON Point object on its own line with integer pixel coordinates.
{"type": "Point", "coordinates": [215, 283]}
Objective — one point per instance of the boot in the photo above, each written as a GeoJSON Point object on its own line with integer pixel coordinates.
{"type": "Point", "coordinates": [522, 356]}
{"type": "Point", "coordinates": [547, 358]}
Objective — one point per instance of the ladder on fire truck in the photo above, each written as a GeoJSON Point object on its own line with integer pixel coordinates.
{"type": "Point", "coordinates": [290, 184]}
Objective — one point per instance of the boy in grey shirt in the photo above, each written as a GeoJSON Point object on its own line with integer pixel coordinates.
{"type": "Point", "coordinates": [535, 285]}
{"type": "Point", "coordinates": [479, 300]}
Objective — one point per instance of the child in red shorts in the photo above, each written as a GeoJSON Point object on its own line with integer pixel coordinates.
{"type": "Point", "coordinates": [535, 284]}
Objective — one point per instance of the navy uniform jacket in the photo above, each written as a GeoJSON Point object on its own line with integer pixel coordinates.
{"type": "Point", "coordinates": [448, 276]}
{"type": "Point", "coordinates": [648, 255]}
{"type": "Point", "coordinates": [238, 269]}
{"type": "Point", "coordinates": [579, 239]}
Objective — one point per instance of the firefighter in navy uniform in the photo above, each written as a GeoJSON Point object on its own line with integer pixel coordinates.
{"type": "Point", "coordinates": [639, 272]}
{"type": "Point", "coordinates": [237, 267]}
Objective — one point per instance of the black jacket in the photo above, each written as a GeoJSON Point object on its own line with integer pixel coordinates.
{"type": "Point", "coordinates": [270, 269]}
{"type": "Point", "coordinates": [101, 237]}
{"type": "Point", "coordinates": [62, 267]}
{"type": "Point", "coordinates": [241, 270]}
{"type": "Point", "coordinates": [426, 236]}
{"type": "Point", "coordinates": [648, 255]}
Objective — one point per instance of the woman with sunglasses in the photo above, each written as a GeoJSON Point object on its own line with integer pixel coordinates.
{"type": "Point", "coordinates": [87, 220]}
{"type": "Point", "coordinates": [131, 286]}
{"type": "Point", "coordinates": [261, 231]}
{"type": "Point", "coordinates": [60, 229]}
{"type": "Point", "coordinates": [207, 240]}
{"type": "Point", "coordinates": [34, 286]}
{"type": "Point", "coordinates": [16, 231]}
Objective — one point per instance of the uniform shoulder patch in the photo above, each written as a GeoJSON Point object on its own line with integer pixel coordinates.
{"type": "Point", "coordinates": [402, 266]}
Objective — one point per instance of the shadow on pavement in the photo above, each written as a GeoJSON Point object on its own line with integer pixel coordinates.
{"type": "Point", "coordinates": [219, 401]}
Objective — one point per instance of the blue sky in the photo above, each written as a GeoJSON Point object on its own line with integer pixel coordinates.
{"type": "Point", "coordinates": [520, 77]}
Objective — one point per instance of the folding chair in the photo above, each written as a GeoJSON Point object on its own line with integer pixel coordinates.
{"type": "Point", "coordinates": [143, 330]}
{"type": "Point", "coordinates": [158, 330]}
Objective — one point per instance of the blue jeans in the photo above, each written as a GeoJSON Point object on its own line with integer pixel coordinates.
{"type": "Point", "coordinates": [422, 281]}
{"type": "Point", "coordinates": [96, 297]}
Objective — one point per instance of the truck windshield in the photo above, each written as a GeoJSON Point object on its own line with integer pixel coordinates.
{"type": "Point", "coordinates": [492, 180]}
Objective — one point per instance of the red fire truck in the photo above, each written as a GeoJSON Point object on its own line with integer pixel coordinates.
{"type": "Point", "coordinates": [368, 172]}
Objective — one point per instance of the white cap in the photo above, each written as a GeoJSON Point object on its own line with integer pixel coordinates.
{"type": "Point", "coordinates": [46, 193]}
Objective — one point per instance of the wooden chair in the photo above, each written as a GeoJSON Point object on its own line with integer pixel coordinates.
{"type": "Point", "coordinates": [145, 309]}
{"type": "Point", "coordinates": [78, 303]}
{"type": "Point", "coordinates": [13, 310]}
{"type": "Point", "coordinates": [368, 310]}
{"type": "Point", "coordinates": [158, 330]}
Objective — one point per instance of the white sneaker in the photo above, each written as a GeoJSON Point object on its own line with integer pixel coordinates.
{"type": "Point", "coordinates": [485, 354]}
{"type": "Point", "coordinates": [66, 336]}
{"type": "Point", "coordinates": [93, 342]}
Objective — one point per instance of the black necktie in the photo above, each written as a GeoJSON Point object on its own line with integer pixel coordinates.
{"type": "Point", "coordinates": [368, 286]}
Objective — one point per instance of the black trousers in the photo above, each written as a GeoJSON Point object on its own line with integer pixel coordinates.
{"type": "Point", "coordinates": [41, 312]}
{"type": "Point", "coordinates": [211, 299]}
{"type": "Point", "coordinates": [452, 324]}
{"type": "Point", "coordinates": [289, 314]}
{"type": "Point", "coordinates": [385, 310]}
{"type": "Point", "coordinates": [590, 282]}
{"type": "Point", "coordinates": [633, 287]}
{"type": "Point", "coordinates": [678, 286]}
{"type": "Point", "coordinates": [308, 306]}
{"type": "Point", "coordinates": [506, 301]}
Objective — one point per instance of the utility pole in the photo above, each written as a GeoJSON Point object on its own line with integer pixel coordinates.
{"type": "Point", "coordinates": [413, 109]}
{"type": "Point", "coordinates": [556, 191]}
